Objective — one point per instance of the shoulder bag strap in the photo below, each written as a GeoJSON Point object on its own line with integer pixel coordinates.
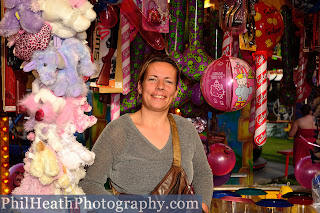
{"type": "Point", "coordinates": [175, 141]}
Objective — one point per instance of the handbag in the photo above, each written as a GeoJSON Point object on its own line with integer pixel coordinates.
{"type": "Point", "coordinates": [175, 181]}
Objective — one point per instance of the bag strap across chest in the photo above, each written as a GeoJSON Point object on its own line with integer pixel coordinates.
{"type": "Point", "coordinates": [175, 141]}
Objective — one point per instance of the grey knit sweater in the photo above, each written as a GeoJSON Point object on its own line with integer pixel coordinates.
{"type": "Point", "coordinates": [135, 166]}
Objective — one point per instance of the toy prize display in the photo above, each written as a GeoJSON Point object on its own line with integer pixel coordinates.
{"type": "Point", "coordinates": [49, 36]}
{"type": "Point", "coordinates": [269, 30]}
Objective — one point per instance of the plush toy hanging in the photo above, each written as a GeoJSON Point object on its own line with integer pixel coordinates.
{"type": "Point", "coordinates": [72, 60]}
{"type": "Point", "coordinates": [19, 14]}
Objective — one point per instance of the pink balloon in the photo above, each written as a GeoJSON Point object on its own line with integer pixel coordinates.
{"type": "Point", "coordinates": [220, 180]}
{"type": "Point", "coordinates": [221, 159]}
{"type": "Point", "coordinates": [228, 84]}
{"type": "Point", "coordinates": [305, 171]}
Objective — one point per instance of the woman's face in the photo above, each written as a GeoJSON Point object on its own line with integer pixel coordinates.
{"type": "Point", "coordinates": [158, 88]}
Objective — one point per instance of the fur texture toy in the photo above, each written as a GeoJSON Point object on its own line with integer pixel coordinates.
{"type": "Point", "coordinates": [73, 60]}
{"type": "Point", "coordinates": [44, 109]}
{"type": "Point", "coordinates": [85, 7]}
{"type": "Point", "coordinates": [44, 172]}
{"type": "Point", "coordinates": [44, 164]}
{"type": "Point", "coordinates": [19, 15]}
{"type": "Point", "coordinates": [66, 21]}
{"type": "Point", "coordinates": [42, 105]}
{"type": "Point", "coordinates": [75, 155]}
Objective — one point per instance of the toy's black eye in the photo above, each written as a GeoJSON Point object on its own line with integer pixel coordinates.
{"type": "Point", "coordinates": [45, 64]}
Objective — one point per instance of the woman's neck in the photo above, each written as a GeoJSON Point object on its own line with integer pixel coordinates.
{"type": "Point", "coordinates": [151, 118]}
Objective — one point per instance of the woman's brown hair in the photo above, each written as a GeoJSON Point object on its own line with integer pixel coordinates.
{"type": "Point", "coordinates": [158, 58]}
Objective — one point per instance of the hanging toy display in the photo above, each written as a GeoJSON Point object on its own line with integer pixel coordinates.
{"type": "Point", "coordinates": [214, 42]}
{"type": "Point", "coordinates": [195, 57]}
{"type": "Point", "coordinates": [269, 30]}
{"type": "Point", "coordinates": [175, 46]}
{"type": "Point", "coordinates": [131, 101]}
{"type": "Point", "coordinates": [157, 13]}
{"type": "Point", "coordinates": [176, 26]}
{"type": "Point", "coordinates": [19, 16]}
{"type": "Point", "coordinates": [288, 95]}
{"type": "Point", "coordinates": [108, 17]}
{"type": "Point", "coordinates": [233, 16]}
{"type": "Point", "coordinates": [135, 16]}
{"type": "Point", "coordinates": [303, 89]}
{"type": "Point", "coordinates": [312, 70]}
{"type": "Point", "coordinates": [228, 84]}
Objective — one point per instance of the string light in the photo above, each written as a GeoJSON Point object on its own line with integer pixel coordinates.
{"type": "Point", "coordinates": [6, 190]}
{"type": "Point", "coordinates": [4, 168]}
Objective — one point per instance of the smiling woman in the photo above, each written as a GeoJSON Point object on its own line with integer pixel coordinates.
{"type": "Point", "coordinates": [158, 88]}
{"type": "Point", "coordinates": [138, 148]}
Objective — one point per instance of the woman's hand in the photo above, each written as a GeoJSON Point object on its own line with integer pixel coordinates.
{"type": "Point", "coordinates": [205, 208]}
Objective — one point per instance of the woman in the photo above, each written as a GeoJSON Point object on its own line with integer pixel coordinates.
{"type": "Point", "coordinates": [135, 150]}
{"type": "Point", "coordinates": [304, 127]}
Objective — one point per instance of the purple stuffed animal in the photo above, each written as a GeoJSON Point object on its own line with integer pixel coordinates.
{"type": "Point", "coordinates": [61, 69]}
{"type": "Point", "coordinates": [19, 15]}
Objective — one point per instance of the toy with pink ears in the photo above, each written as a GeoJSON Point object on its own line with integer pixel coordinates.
{"type": "Point", "coordinates": [50, 37]}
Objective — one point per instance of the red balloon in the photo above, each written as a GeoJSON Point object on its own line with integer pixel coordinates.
{"type": "Point", "coordinates": [269, 26]}
{"type": "Point", "coordinates": [108, 17]}
{"type": "Point", "coordinates": [305, 171]}
{"type": "Point", "coordinates": [221, 159]}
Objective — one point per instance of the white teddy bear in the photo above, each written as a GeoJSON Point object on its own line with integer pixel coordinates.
{"type": "Point", "coordinates": [65, 20]}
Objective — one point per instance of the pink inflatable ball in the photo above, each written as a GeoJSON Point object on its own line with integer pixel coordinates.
{"type": "Point", "coordinates": [228, 84]}
{"type": "Point", "coordinates": [16, 175]}
{"type": "Point", "coordinates": [221, 159]}
{"type": "Point", "coordinates": [305, 171]}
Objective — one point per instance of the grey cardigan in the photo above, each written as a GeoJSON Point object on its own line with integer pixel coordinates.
{"type": "Point", "coordinates": [135, 166]}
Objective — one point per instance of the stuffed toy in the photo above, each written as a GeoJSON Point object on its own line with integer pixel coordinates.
{"type": "Point", "coordinates": [31, 185]}
{"type": "Point", "coordinates": [44, 164]}
{"type": "Point", "coordinates": [26, 43]}
{"type": "Point", "coordinates": [19, 15]}
{"type": "Point", "coordinates": [85, 7]}
{"type": "Point", "coordinates": [80, 120]}
{"type": "Point", "coordinates": [73, 155]}
{"type": "Point", "coordinates": [41, 106]}
{"type": "Point", "coordinates": [72, 59]}
{"type": "Point", "coordinates": [65, 116]}
{"type": "Point", "coordinates": [75, 176]}
{"type": "Point", "coordinates": [44, 173]}
{"type": "Point", "coordinates": [65, 21]}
